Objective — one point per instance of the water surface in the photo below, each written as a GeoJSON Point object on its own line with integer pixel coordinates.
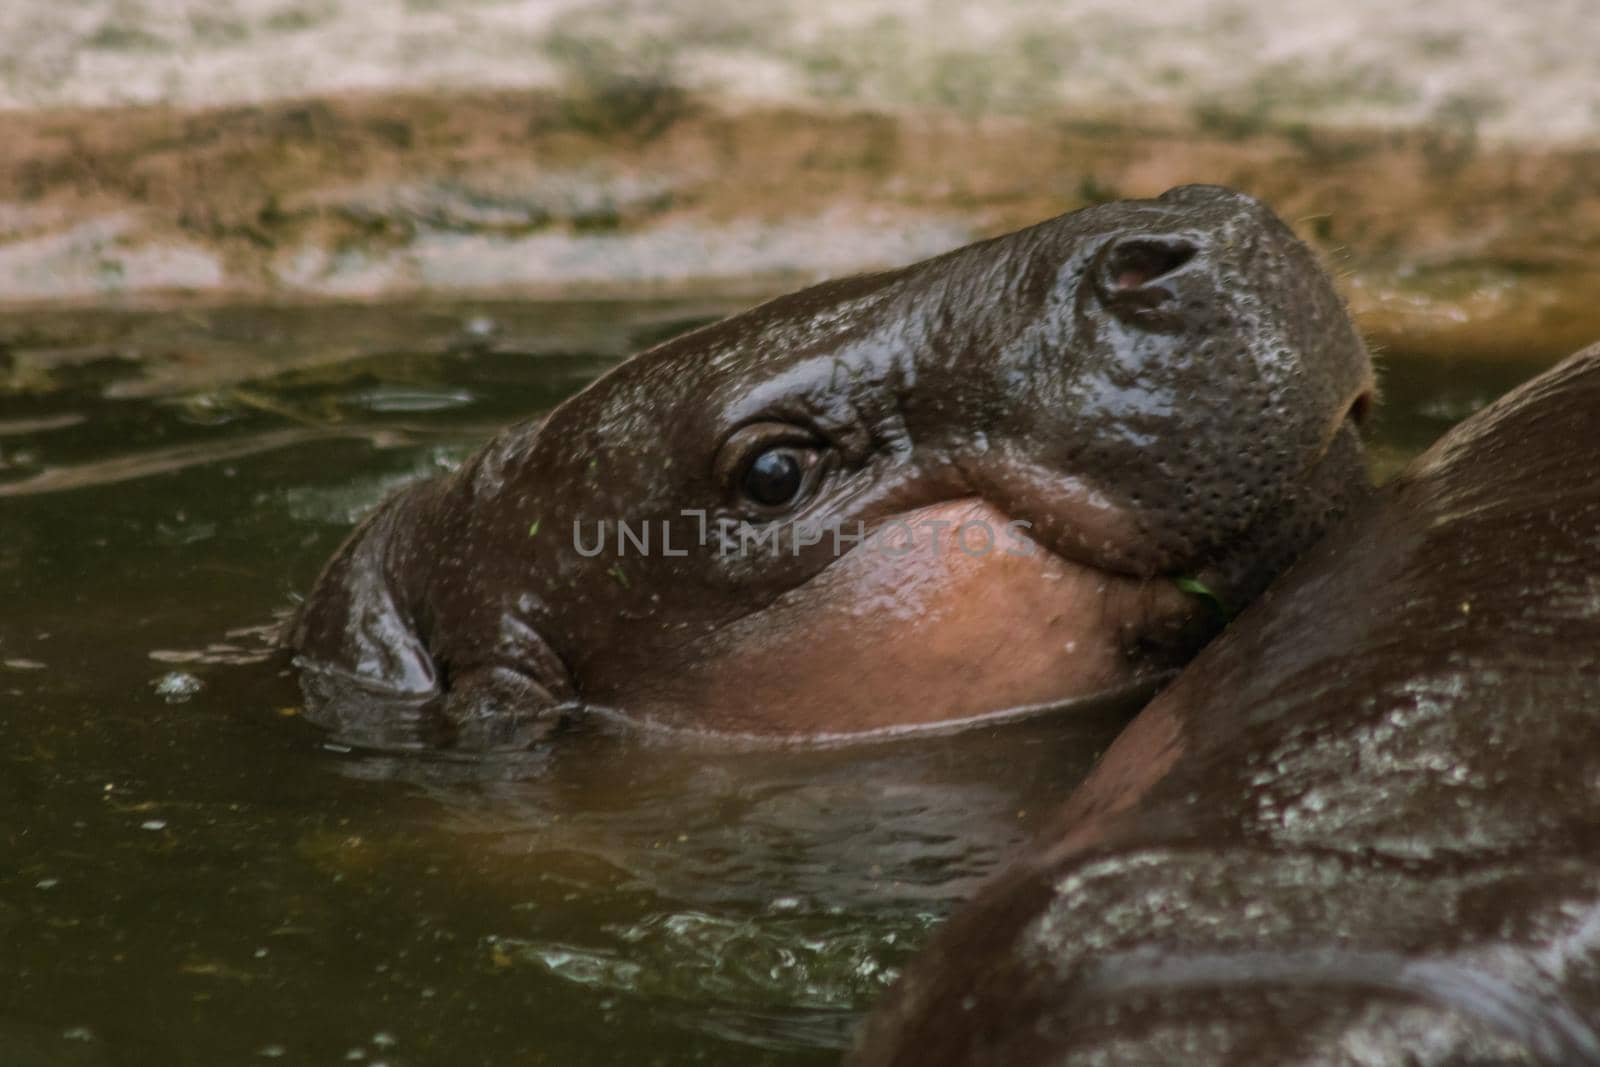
{"type": "Point", "coordinates": [192, 874]}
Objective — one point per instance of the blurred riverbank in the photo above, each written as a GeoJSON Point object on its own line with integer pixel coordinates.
{"type": "Point", "coordinates": [1446, 163]}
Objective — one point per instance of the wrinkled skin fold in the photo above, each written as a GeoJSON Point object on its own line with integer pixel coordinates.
{"type": "Point", "coordinates": [1110, 400]}
{"type": "Point", "coordinates": [1363, 827]}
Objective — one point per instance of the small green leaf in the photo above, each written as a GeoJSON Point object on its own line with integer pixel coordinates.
{"type": "Point", "coordinates": [622, 579]}
{"type": "Point", "coordinates": [1196, 588]}
{"type": "Point", "coordinates": [533, 531]}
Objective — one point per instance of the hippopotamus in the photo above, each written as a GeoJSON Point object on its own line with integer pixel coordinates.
{"type": "Point", "coordinates": [1362, 827]}
{"type": "Point", "coordinates": [1123, 422]}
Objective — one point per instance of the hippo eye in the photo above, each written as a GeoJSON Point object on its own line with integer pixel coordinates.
{"type": "Point", "coordinates": [772, 465]}
{"type": "Point", "coordinates": [776, 476]}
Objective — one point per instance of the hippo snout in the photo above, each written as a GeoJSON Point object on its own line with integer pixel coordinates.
{"type": "Point", "coordinates": [1210, 387]}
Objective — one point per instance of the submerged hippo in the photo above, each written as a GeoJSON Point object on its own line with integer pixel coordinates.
{"type": "Point", "coordinates": [1362, 828]}
{"type": "Point", "coordinates": [739, 531]}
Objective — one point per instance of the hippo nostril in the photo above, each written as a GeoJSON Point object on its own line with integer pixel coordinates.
{"type": "Point", "coordinates": [1134, 263]}
{"type": "Point", "coordinates": [1146, 279]}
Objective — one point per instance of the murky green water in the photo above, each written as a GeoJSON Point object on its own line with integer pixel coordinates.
{"type": "Point", "coordinates": [191, 874]}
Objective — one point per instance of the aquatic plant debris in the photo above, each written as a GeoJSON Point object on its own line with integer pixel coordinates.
{"type": "Point", "coordinates": [1199, 590]}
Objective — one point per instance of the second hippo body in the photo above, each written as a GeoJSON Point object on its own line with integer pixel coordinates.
{"type": "Point", "coordinates": [1362, 828]}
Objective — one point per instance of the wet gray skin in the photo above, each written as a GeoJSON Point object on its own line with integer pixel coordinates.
{"type": "Point", "coordinates": [1363, 826]}
{"type": "Point", "coordinates": [1156, 388]}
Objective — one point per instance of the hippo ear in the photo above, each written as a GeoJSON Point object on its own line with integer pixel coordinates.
{"type": "Point", "coordinates": [365, 672]}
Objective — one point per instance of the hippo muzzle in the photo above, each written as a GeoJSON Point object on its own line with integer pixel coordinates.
{"type": "Point", "coordinates": [976, 484]}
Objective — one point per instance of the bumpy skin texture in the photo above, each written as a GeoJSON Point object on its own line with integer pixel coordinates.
{"type": "Point", "coordinates": [1159, 387]}
{"type": "Point", "coordinates": [1364, 825]}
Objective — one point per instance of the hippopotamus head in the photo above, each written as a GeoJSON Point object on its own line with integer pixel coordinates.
{"type": "Point", "coordinates": [979, 483]}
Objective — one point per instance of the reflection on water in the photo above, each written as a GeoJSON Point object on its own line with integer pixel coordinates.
{"type": "Point", "coordinates": [192, 874]}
